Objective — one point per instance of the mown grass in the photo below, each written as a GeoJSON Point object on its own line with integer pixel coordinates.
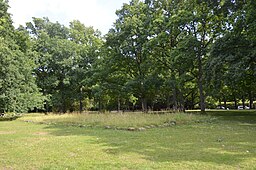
{"type": "Point", "coordinates": [220, 144]}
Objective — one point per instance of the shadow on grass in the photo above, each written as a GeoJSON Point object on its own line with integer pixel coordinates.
{"type": "Point", "coordinates": [206, 143]}
{"type": "Point", "coordinates": [242, 117]}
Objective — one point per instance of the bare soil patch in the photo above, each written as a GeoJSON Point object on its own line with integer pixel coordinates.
{"type": "Point", "coordinates": [41, 133]}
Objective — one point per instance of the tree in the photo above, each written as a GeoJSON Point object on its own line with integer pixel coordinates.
{"type": "Point", "coordinates": [65, 60]}
{"type": "Point", "coordinates": [88, 47]}
{"type": "Point", "coordinates": [128, 40]}
{"type": "Point", "coordinates": [233, 55]}
{"type": "Point", "coordinates": [56, 56]}
{"type": "Point", "coordinates": [18, 91]}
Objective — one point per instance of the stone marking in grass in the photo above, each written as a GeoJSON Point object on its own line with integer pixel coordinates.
{"type": "Point", "coordinates": [166, 124]}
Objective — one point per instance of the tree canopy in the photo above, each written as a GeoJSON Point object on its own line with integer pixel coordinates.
{"type": "Point", "coordinates": [166, 54]}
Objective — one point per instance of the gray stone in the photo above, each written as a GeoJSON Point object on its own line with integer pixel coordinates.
{"type": "Point", "coordinates": [141, 129]}
{"type": "Point", "coordinates": [107, 127]}
{"type": "Point", "coordinates": [131, 129]}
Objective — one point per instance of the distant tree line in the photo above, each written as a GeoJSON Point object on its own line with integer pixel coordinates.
{"type": "Point", "coordinates": [166, 54]}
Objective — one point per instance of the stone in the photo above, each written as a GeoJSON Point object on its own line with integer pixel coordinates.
{"type": "Point", "coordinates": [141, 129]}
{"type": "Point", "coordinates": [131, 129]}
{"type": "Point", "coordinates": [107, 127]}
{"type": "Point", "coordinates": [172, 122]}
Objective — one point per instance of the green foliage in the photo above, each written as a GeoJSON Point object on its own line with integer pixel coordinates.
{"type": "Point", "coordinates": [9, 116]}
{"type": "Point", "coordinates": [232, 61]}
{"type": "Point", "coordinates": [166, 54]}
{"type": "Point", "coordinates": [65, 60]}
{"type": "Point", "coordinates": [18, 91]}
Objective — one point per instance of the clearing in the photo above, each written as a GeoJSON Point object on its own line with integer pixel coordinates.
{"type": "Point", "coordinates": [220, 140]}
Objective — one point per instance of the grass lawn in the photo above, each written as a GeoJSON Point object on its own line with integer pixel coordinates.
{"type": "Point", "coordinates": [220, 140]}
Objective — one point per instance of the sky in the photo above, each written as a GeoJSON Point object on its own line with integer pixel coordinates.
{"type": "Point", "coordinates": [97, 13]}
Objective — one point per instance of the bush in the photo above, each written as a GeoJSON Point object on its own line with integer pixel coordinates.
{"type": "Point", "coordinates": [9, 116]}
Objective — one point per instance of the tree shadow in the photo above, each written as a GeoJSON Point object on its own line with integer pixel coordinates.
{"type": "Point", "coordinates": [173, 144]}
{"type": "Point", "coordinates": [244, 117]}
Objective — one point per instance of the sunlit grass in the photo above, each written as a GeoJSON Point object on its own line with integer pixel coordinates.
{"type": "Point", "coordinates": [117, 119]}
{"type": "Point", "coordinates": [196, 142]}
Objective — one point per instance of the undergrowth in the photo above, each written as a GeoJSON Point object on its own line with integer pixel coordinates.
{"type": "Point", "coordinates": [118, 120]}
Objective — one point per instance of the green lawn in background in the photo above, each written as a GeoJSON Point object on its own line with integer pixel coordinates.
{"type": "Point", "coordinates": [223, 140]}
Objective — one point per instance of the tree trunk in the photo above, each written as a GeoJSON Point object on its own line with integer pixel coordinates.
{"type": "Point", "coordinates": [202, 98]}
{"type": "Point", "coordinates": [219, 102]}
{"type": "Point", "coordinates": [99, 105]}
{"type": "Point", "coordinates": [192, 100]}
{"type": "Point", "coordinates": [63, 107]}
{"type": "Point", "coordinates": [118, 105]}
{"type": "Point", "coordinates": [243, 100]}
{"type": "Point", "coordinates": [80, 105]}
{"type": "Point", "coordinates": [144, 104]}
{"type": "Point", "coordinates": [168, 103]}
{"type": "Point", "coordinates": [251, 100]}
{"type": "Point", "coordinates": [175, 104]}
{"type": "Point", "coordinates": [200, 84]}
{"type": "Point", "coordinates": [81, 100]}
{"type": "Point", "coordinates": [46, 107]}
{"type": "Point", "coordinates": [225, 103]}
{"type": "Point", "coordinates": [182, 102]}
{"type": "Point", "coordinates": [63, 104]}
{"type": "Point", "coordinates": [235, 102]}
